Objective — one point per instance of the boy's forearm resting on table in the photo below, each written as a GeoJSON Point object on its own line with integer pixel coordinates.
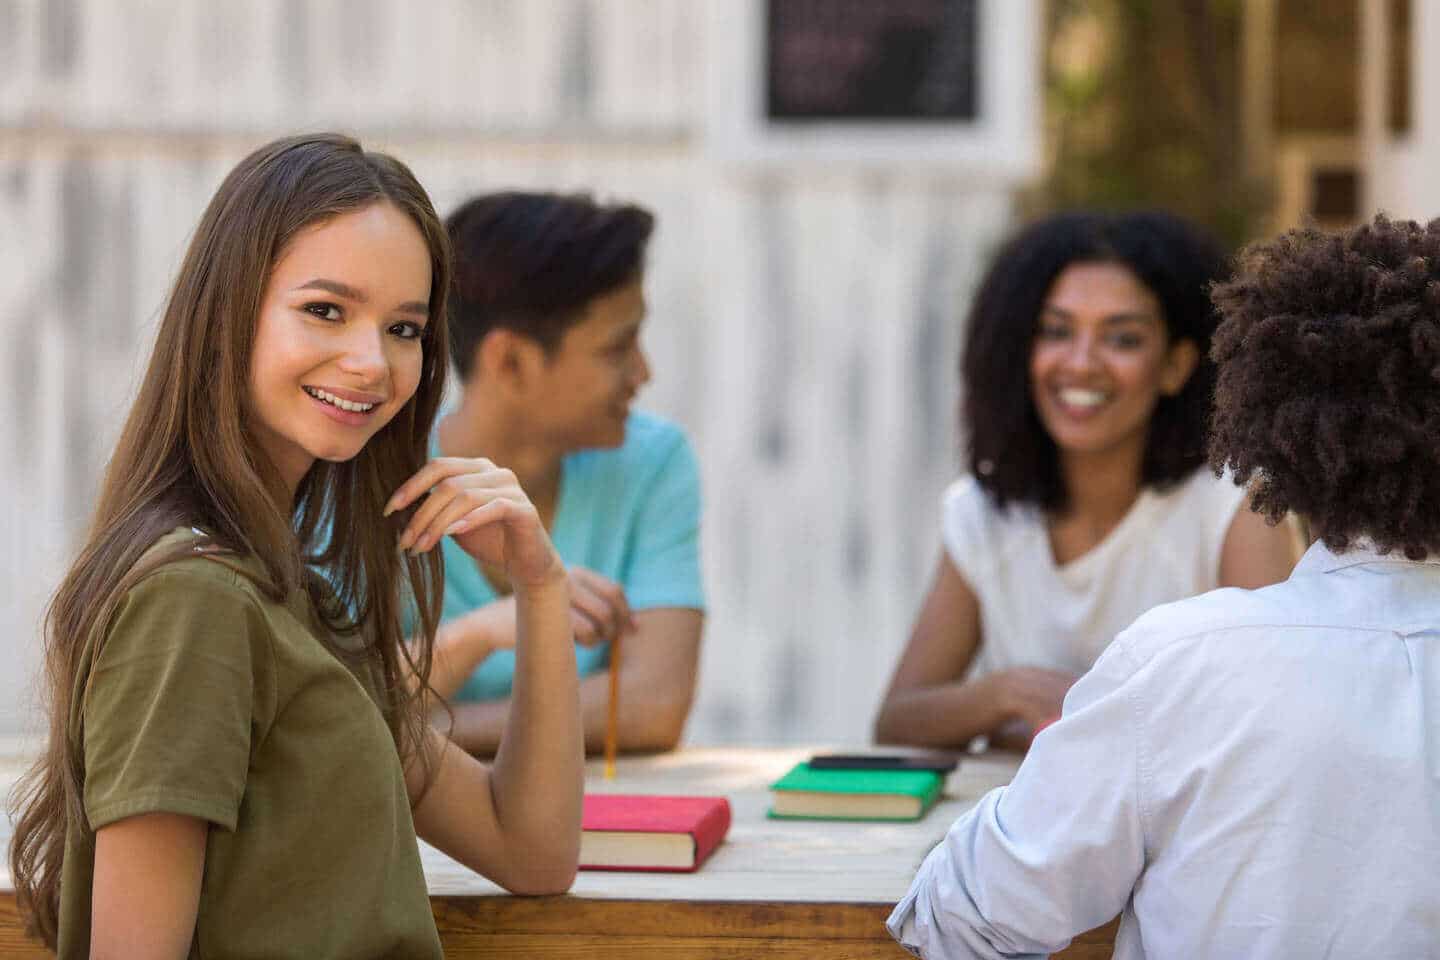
{"type": "Point", "coordinates": [659, 661]}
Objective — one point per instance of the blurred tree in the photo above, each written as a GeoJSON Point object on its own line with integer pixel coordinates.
{"type": "Point", "coordinates": [1143, 110]}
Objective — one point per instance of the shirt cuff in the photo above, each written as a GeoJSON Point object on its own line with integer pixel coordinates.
{"type": "Point", "coordinates": [901, 924]}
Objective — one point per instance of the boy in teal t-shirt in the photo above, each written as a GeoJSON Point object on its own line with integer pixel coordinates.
{"type": "Point", "coordinates": [545, 312]}
{"type": "Point", "coordinates": [631, 514]}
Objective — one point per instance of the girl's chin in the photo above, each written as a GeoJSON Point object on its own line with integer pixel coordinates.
{"type": "Point", "coordinates": [1091, 443]}
{"type": "Point", "coordinates": [338, 454]}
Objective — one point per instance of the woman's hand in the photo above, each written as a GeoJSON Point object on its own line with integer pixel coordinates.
{"type": "Point", "coordinates": [483, 508]}
{"type": "Point", "coordinates": [1030, 695]}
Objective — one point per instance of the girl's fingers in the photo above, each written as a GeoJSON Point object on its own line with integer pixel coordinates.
{"type": "Point", "coordinates": [429, 475]}
{"type": "Point", "coordinates": [445, 498]}
{"type": "Point", "coordinates": [494, 510]}
{"type": "Point", "coordinates": [451, 487]}
{"type": "Point", "coordinates": [462, 512]}
{"type": "Point", "coordinates": [496, 525]}
{"type": "Point", "coordinates": [436, 497]}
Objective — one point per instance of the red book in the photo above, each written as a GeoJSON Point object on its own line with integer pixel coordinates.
{"type": "Point", "coordinates": [621, 831]}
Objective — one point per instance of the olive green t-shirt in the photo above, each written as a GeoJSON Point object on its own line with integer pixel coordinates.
{"type": "Point", "coordinates": [211, 701]}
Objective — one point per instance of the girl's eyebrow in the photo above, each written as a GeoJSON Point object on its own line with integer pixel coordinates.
{"type": "Point", "coordinates": [1113, 319]}
{"type": "Point", "coordinates": [351, 293]}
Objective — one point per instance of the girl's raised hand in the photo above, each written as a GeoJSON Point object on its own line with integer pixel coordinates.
{"type": "Point", "coordinates": [484, 509]}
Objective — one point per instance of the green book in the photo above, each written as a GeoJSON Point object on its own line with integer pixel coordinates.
{"type": "Point", "coordinates": [805, 793]}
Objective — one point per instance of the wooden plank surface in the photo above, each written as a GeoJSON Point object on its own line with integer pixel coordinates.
{"type": "Point", "coordinates": [555, 928]}
{"type": "Point", "coordinates": [540, 916]}
{"type": "Point", "coordinates": [680, 948]}
{"type": "Point", "coordinates": [13, 943]}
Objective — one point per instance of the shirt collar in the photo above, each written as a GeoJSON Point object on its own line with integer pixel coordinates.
{"type": "Point", "coordinates": [1321, 559]}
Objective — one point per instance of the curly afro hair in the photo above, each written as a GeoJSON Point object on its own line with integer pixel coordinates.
{"type": "Point", "coordinates": [1328, 395]}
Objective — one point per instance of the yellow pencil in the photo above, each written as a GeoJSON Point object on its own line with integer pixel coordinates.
{"type": "Point", "coordinates": [612, 717]}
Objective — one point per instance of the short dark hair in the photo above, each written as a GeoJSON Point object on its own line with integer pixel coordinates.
{"type": "Point", "coordinates": [1329, 387]}
{"type": "Point", "coordinates": [1010, 453]}
{"type": "Point", "coordinates": [530, 262]}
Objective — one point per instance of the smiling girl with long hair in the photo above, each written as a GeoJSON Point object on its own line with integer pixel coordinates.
{"type": "Point", "coordinates": [239, 760]}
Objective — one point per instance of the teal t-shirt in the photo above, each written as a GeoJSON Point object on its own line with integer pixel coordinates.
{"type": "Point", "coordinates": [631, 513]}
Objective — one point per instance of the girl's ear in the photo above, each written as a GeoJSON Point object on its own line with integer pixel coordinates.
{"type": "Point", "coordinates": [1180, 361]}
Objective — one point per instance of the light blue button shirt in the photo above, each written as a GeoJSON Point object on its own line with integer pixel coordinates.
{"type": "Point", "coordinates": [1241, 775]}
{"type": "Point", "coordinates": [631, 514]}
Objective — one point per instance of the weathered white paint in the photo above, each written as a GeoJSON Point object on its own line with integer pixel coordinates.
{"type": "Point", "coordinates": [804, 319]}
{"type": "Point", "coordinates": [1401, 169]}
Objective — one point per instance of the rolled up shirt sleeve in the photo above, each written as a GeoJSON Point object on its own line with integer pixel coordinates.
{"type": "Point", "coordinates": [1053, 854]}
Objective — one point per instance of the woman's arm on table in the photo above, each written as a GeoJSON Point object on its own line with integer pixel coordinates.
{"type": "Point", "coordinates": [928, 705]}
{"type": "Point", "coordinates": [659, 662]}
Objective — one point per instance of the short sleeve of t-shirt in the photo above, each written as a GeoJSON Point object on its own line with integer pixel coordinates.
{"type": "Point", "coordinates": [664, 566]}
{"type": "Point", "coordinates": [171, 708]}
{"type": "Point", "coordinates": [966, 528]}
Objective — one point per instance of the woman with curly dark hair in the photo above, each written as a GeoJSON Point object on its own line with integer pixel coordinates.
{"type": "Point", "coordinates": [1256, 774]}
{"type": "Point", "coordinates": [1085, 398]}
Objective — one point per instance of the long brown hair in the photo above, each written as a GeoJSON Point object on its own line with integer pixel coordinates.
{"type": "Point", "coordinates": [188, 455]}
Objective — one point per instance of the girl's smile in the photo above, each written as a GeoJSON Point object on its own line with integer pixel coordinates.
{"type": "Point", "coordinates": [1079, 402]}
{"type": "Point", "coordinates": [1102, 358]}
{"type": "Point", "coordinates": [338, 345]}
{"type": "Point", "coordinates": [345, 406]}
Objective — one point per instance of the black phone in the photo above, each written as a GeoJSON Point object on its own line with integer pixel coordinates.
{"type": "Point", "coordinates": [936, 760]}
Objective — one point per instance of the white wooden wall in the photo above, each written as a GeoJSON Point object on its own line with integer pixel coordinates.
{"type": "Point", "coordinates": [804, 321]}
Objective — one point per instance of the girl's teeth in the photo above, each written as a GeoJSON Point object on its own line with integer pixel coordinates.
{"type": "Point", "coordinates": [1082, 398]}
{"type": "Point", "coordinates": [335, 401]}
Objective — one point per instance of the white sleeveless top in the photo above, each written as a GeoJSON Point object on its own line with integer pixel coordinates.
{"type": "Point", "coordinates": [1035, 614]}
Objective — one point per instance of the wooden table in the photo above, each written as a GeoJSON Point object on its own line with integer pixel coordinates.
{"type": "Point", "coordinates": [776, 888]}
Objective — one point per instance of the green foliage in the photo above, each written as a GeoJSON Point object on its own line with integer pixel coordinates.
{"type": "Point", "coordinates": [1143, 110]}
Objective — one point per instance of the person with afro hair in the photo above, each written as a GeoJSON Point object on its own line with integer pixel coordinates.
{"type": "Point", "coordinates": [1086, 393]}
{"type": "Point", "coordinates": [1255, 773]}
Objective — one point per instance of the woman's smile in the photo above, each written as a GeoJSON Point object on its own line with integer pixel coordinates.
{"type": "Point", "coordinates": [1081, 402]}
{"type": "Point", "coordinates": [345, 406]}
{"type": "Point", "coordinates": [1101, 359]}
{"type": "Point", "coordinates": [340, 333]}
